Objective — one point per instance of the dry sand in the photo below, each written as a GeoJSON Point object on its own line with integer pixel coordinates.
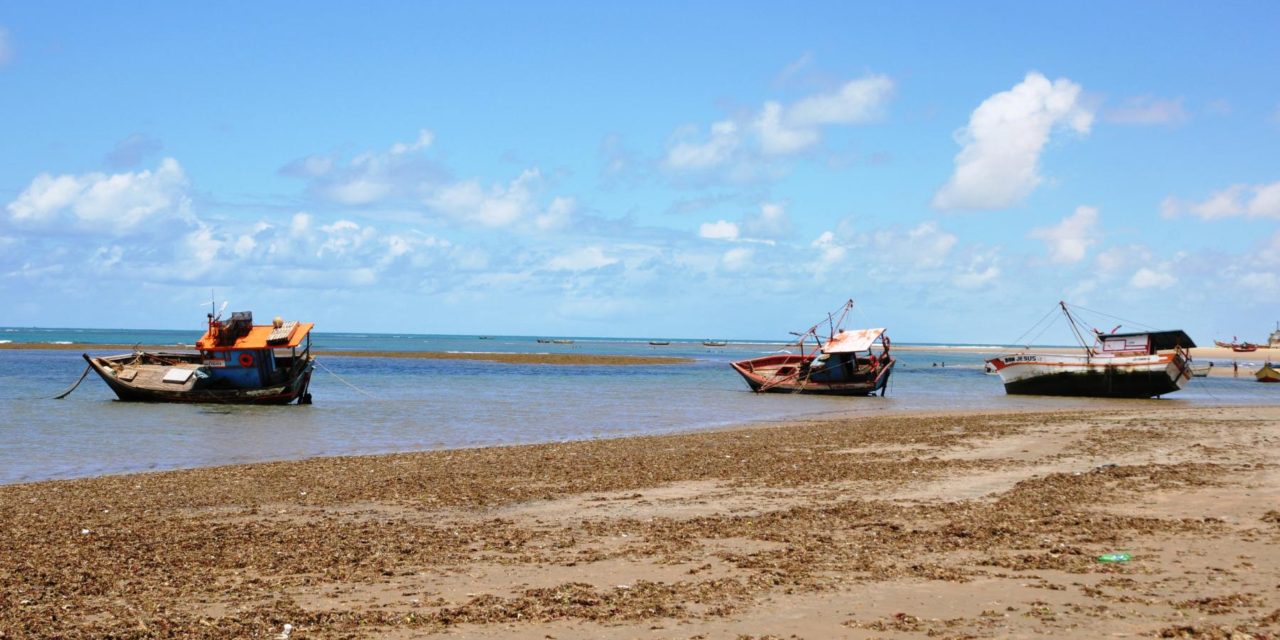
{"type": "Point", "coordinates": [960, 526]}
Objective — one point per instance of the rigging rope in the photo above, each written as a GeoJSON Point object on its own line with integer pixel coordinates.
{"type": "Point", "coordinates": [342, 380]}
{"type": "Point", "coordinates": [73, 387]}
{"type": "Point", "coordinates": [1107, 315]}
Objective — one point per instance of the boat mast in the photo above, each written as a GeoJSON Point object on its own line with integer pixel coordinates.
{"type": "Point", "coordinates": [1088, 352]}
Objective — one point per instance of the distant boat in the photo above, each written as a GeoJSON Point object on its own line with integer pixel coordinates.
{"type": "Point", "coordinates": [544, 340]}
{"type": "Point", "coordinates": [841, 363]}
{"type": "Point", "coordinates": [1119, 365]}
{"type": "Point", "coordinates": [714, 343]}
{"type": "Point", "coordinates": [1200, 369]}
{"type": "Point", "coordinates": [1238, 347]}
{"type": "Point", "coordinates": [562, 341]}
{"type": "Point", "coordinates": [1267, 373]}
{"type": "Point", "coordinates": [659, 343]}
{"type": "Point", "coordinates": [485, 338]}
{"type": "Point", "coordinates": [237, 362]}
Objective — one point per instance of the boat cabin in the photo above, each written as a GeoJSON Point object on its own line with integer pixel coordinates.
{"type": "Point", "coordinates": [847, 355]}
{"type": "Point", "coordinates": [241, 355]}
{"type": "Point", "coordinates": [1142, 343]}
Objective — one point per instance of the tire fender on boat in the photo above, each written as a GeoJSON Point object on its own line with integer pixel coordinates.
{"type": "Point", "coordinates": [246, 360]}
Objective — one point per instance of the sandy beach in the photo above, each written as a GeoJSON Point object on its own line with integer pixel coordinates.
{"type": "Point", "coordinates": [910, 526]}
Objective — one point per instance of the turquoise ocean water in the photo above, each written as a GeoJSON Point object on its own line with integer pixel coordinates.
{"type": "Point", "coordinates": [381, 405]}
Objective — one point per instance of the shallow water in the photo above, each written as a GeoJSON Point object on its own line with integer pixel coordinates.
{"type": "Point", "coordinates": [381, 405]}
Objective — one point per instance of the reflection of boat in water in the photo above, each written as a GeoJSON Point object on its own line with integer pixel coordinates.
{"type": "Point", "coordinates": [839, 364]}
{"type": "Point", "coordinates": [1267, 373]}
{"type": "Point", "coordinates": [1200, 369]}
{"type": "Point", "coordinates": [1119, 365]}
{"type": "Point", "coordinates": [236, 363]}
{"type": "Point", "coordinates": [714, 343]}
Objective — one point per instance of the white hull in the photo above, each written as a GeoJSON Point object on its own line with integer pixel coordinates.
{"type": "Point", "coordinates": [1138, 376]}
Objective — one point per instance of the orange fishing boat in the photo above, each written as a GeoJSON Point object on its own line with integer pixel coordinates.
{"type": "Point", "coordinates": [236, 362]}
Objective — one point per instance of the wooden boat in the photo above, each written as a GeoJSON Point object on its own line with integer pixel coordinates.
{"type": "Point", "coordinates": [714, 343]}
{"type": "Point", "coordinates": [1244, 347]}
{"type": "Point", "coordinates": [1119, 365]}
{"type": "Point", "coordinates": [1267, 373]}
{"type": "Point", "coordinates": [839, 364]}
{"type": "Point", "coordinates": [237, 362]}
{"type": "Point", "coordinates": [1200, 369]}
{"type": "Point", "coordinates": [1223, 345]}
{"type": "Point", "coordinates": [659, 343]}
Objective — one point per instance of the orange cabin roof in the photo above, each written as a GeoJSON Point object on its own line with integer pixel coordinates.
{"type": "Point", "coordinates": [257, 338]}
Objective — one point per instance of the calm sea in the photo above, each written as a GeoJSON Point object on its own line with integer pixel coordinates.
{"type": "Point", "coordinates": [382, 405]}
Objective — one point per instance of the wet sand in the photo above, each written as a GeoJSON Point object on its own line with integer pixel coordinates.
{"type": "Point", "coordinates": [912, 526]}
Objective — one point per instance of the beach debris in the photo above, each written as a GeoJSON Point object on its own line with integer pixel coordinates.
{"type": "Point", "coordinates": [1114, 557]}
{"type": "Point", "coordinates": [284, 635]}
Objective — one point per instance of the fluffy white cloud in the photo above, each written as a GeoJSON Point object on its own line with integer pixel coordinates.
{"type": "Point", "coordinates": [1069, 240]}
{"type": "Point", "coordinates": [119, 203]}
{"type": "Point", "coordinates": [558, 214]}
{"type": "Point", "coordinates": [771, 222]}
{"type": "Point", "coordinates": [778, 138]}
{"type": "Point", "coordinates": [857, 101]}
{"type": "Point", "coordinates": [779, 129]}
{"type": "Point", "coordinates": [999, 164]}
{"type": "Point", "coordinates": [1147, 278]}
{"type": "Point", "coordinates": [717, 149]}
{"type": "Point", "coordinates": [497, 206]}
{"type": "Point", "coordinates": [982, 270]}
{"type": "Point", "coordinates": [1145, 110]}
{"type": "Point", "coordinates": [718, 230]}
{"type": "Point", "coordinates": [425, 138]}
{"type": "Point", "coordinates": [582, 259]}
{"type": "Point", "coordinates": [1253, 201]}
{"type": "Point", "coordinates": [372, 176]}
{"type": "Point", "coordinates": [737, 258]}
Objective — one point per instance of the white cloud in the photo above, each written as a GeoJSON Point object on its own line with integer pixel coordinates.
{"type": "Point", "coordinates": [558, 214]}
{"type": "Point", "coordinates": [425, 138]}
{"type": "Point", "coordinates": [999, 164]}
{"type": "Point", "coordinates": [6, 49]}
{"type": "Point", "coordinates": [497, 206]}
{"type": "Point", "coordinates": [118, 203]}
{"type": "Point", "coordinates": [1146, 278]}
{"type": "Point", "coordinates": [983, 269]}
{"type": "Point", "coordinates": [1069, 240]}
{"type": "Point", "coordinates": [777, 138]}
{"type": "Point", "coordinates": [1146, 110]}
{"type": "Point", "coordinates": [721, 143]}
{"type": "Point", "coordinates": [778, 129]}
{"type": "Point", "coordinates": [771, 222]}
{"type": "Point", "coordinates": [1253, 201]}
{"type": "Point", "coordinates": [718, 230]}
{"type": "Point", "coordinates": [583, 259]}
{"type": "Point", "coordinates": [737, 258]}
{"type": "Point", "coordinates": [857, 101]}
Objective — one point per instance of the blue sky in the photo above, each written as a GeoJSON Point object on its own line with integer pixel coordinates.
{"type": "Point", "coordinates": [643, 169]}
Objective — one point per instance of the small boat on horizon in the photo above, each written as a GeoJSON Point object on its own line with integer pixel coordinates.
{"type": "Point", "coordinates": [839, 364]}
{"type": "Point", "coordinates": [1118, 365]}
{"type": "Point", "coordinates": [715, 343]}
{"type": "Point", "coordinates": [659, 343]}
{"type": "Point", "coordinates": [236, 362]}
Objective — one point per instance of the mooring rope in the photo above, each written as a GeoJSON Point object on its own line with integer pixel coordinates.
{"type": "Point", "coordinates": [73, 387]}
{"type": "Point", "coordinates": [342, 380]}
